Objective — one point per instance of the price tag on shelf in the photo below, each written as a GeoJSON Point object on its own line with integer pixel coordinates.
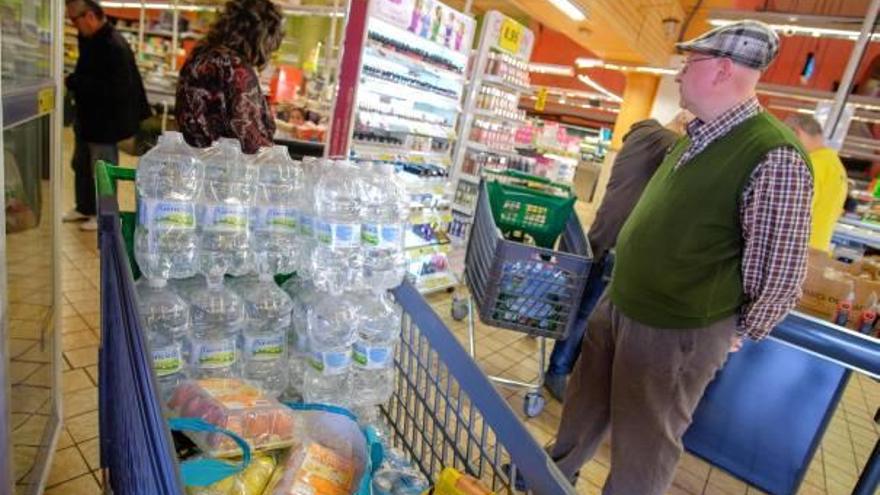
{"type": "Point", "coordinates": [45, 100]}
{"type": "Point", "coordinates": [510, 35]}
{"type": "Point", "coordinates": [541, 101]}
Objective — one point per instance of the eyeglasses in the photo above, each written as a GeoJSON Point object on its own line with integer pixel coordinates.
{"type": "Point", "coordinates": [690, 61]}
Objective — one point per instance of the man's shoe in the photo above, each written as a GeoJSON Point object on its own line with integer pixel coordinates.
{"type": "Point", "coordinates": [555, 384]}
{"type": "Point", "coordinates": [89, 225]}
{"type": "Point", "coordinates": [74, 216]}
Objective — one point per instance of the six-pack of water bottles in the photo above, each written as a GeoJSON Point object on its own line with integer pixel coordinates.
{"type": "Point", "coordinates": [219, 225]}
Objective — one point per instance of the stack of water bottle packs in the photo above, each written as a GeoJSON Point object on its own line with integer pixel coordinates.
{"type": "Point", "coordinates": [214, 228]}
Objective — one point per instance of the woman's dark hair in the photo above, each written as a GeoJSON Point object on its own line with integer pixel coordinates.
{"type": "Point", "coordinates": [251, 28]}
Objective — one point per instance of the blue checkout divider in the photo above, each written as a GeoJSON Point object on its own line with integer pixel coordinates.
{"type": "Point", "coordinates": [764, 415]}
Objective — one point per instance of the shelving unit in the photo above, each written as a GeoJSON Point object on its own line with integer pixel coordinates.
{"type": "Point", "coordinates": [407, 109]}
{"type": "Point", "coordinates": [491, 116]}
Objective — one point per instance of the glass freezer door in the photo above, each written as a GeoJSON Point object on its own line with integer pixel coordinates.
{"type": "Point", "coordinates": [31, 60]}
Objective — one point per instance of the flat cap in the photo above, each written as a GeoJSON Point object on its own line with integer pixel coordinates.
{"type": "Point", "coordinates": [750, 43]}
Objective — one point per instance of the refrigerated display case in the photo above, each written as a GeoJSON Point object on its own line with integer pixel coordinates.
{"type": "Point", "coordinates": [31, 59]}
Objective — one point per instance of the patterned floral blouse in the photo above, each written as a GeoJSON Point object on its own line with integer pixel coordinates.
{"type": "Point", "coordinates": [218, 95]}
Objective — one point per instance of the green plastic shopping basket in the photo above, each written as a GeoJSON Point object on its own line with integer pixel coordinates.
{"type": "Point", "coordinates": [517, 178]}
{"type": "Point", "coordinates": [522, 210]}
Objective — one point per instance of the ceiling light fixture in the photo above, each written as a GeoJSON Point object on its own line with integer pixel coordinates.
{"type": "Point", "coordinates": [593, 63]}
{"type": "Point", "coordinates": [551, 69]}
{"type": "Point", "coordinates": [569, 8]}
{"type": "Point", "coordinates": [598, 87]}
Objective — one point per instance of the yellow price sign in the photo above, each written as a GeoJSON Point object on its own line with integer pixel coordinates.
{"type": "Point", "coordinates": [541, 100]}
{"type": "Point", "coordinates": [510, 36]}
{"type": "Point", "coordinates": [46, 100]}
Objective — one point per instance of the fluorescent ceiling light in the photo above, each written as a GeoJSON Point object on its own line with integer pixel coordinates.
{"type": "Point", "coordinates": [793, 29]}
{"type": "Point", "coordinates": [551, 69]}
{"type": "Point", "coordinates": [593, 63]}
{"type": "Point", "coordinates": [570, 9]}
{"type": "Point", "coordinates": [598, 87]}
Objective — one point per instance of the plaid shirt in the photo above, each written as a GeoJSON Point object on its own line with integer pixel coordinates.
{"type": "Point", "coordinates": [774, 213]}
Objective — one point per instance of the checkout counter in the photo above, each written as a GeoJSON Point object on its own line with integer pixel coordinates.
{"type": "Point", "coordinates": [763, 417]}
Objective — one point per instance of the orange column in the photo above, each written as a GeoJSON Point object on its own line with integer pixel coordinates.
{"type": "Point", "coordinates": [638, 99]}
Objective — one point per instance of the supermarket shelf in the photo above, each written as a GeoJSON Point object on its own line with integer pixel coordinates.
{"type": "Point", "coordinates": [163, 34]}
{"type": "Point", "coordinates": [412, 61]}
{"type": "Point", "coordinates": [415, 242]}
{"type": "Point", "coordinates": [393, 89]}
{"type": "Point", "coordinates": [467, 210]}
{"type": "Point", "coordinates": [488, 114]}
{"type": "Point", "coordinates": [448, 127]}
{"type": "Point", "coordinates": [436, 282]}
{"type": "Point", "coordinates": [501, 83]}
{"type": "Point", "coordinates": [485, 149]}
{"type": "Point", "coordinates": [470, 178]}
{"type": "Point", "coordinates": [441, 157]}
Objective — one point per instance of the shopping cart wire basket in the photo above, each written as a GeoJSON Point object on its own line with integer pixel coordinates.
{"type": "Point", "coordinates": [444, 411]}
{"type": "Point", "coordinates": [529, 289]}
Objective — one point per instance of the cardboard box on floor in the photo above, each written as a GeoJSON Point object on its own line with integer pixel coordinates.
{"type": "Point", "coordinates": [830, 281]}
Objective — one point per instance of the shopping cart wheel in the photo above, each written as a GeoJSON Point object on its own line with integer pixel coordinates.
{"type": "Point", "coordinates": [533, 404]}
{"type": "Point", "coordinates": [459, 308]}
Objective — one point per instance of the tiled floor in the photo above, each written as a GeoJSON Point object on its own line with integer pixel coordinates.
{"type": "Point", "coordinates": [844, 450]}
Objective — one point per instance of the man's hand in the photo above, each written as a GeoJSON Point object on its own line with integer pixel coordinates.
{"type": "Point", "coordinates": [736, 343]}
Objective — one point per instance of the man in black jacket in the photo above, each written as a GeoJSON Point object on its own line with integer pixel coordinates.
{"type": "Point", "coordinates": [110, 102]}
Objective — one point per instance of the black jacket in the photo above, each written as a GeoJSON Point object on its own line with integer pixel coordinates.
{"type": "Point", "coordinates": [107, 89]}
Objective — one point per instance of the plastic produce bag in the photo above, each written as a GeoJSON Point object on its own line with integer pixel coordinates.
{"type": "Point", "coordinates": [335, 457]}
{"type": "Point", "coordinates": [239, 407]}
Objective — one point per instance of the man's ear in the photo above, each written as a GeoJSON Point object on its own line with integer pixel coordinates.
{"type": "Point", "coordinates": [725, 71]}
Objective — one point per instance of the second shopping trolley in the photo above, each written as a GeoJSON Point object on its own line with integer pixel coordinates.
{"type": "Point", "coordinates": [533, 289]}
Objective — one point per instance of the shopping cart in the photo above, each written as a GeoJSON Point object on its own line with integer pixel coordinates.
{"type": "Point", "coordinates": [531, 289]}
{"type": "Point", "coordinates": [444, 411]}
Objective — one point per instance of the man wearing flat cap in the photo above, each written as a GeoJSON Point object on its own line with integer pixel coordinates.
{"type": "Point", "coordinates": [714, 251]}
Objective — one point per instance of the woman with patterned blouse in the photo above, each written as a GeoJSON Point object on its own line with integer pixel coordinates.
{"type": "Point", "coordinates": [218, 94]}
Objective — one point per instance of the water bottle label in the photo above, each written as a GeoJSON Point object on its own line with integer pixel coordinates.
{"type": "Point", "coordinates": [167, 361]}
{"type": "Point", "coordinates": [276, 219]}
{"type": "Point", "coordinates": [162, 215]}
{"type": "Point", "coordinates": [339, 234]}
{"type": "Point", "coordinates": [381, 235]}
{"type": "Point", "coordinates": [267, 348]}
{"type": "Point", "coordinates": [306, 225]}
{"type": "Point", "coordinates": [231, 218]}
{"type": "Point", "coordinates": [372, 358]}
{"type": "Point", "coordinates": [218, 354]}
{"type": "Point", "coordinates": [330, 363]}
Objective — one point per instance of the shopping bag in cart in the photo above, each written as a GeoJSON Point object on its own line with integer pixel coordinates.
{"type": "Point", "coordinates": [334, 436]}
{"type": "Point", "coordinates": [207, 471]}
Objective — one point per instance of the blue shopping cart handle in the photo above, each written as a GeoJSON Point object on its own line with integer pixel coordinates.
{"type": "Point", "coordinates": [204, 472]}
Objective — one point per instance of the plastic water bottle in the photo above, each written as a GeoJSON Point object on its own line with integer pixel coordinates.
{"type": "Point", "coordinates": [337, 259]}
{"type": "Point", "coordinates": [312, 171]}
{"type": "Point", "coordinates": [168, 183]}
{"type": "Point", "coordinates": [378, 332]}
{"type": "Point", "coordinates": [275, 215]}
{"type": "Point", "coordinates": [166, 317]}
{"type": "Point", "coordinates": [217, 320]}
{"type": "Point", "coordinates": [224, 210]}
{"type": "Point", "coordinates": [304, 296]}
{"type": "Point", "coordinates": [382, 233]}
{"type": "Point", "coordinates": [331, 330]}
{"type": "Point", "coordinates": [264, 340]}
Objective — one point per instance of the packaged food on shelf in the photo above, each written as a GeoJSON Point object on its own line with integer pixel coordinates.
{"type": "Point", "coordinates": [239, 407]}
{"type": "Point", "coordinates": [251, 481]}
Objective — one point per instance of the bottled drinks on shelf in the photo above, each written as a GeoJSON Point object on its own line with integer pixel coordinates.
{"type": "Point", "coordinates": [167, 325]}
{"type": "Point", "coordinates": [168, 183]}
{"type": "Point", "coordinates": [378, 332]}
{"type": "Point", "coordinates": [337, 257]}
{"type": "Point", "coordinates": [264, 339]}
{"type": "Point", "coordinates": [224, 210]}
{"type": "Point", "coordinates": [217, 319]}
{"type": "Point", "coordinates": [385, 211]}
{"type": "Point", "coordinates": [275, 216]}
{"type": "Point", "coordinates": [332, 323]}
